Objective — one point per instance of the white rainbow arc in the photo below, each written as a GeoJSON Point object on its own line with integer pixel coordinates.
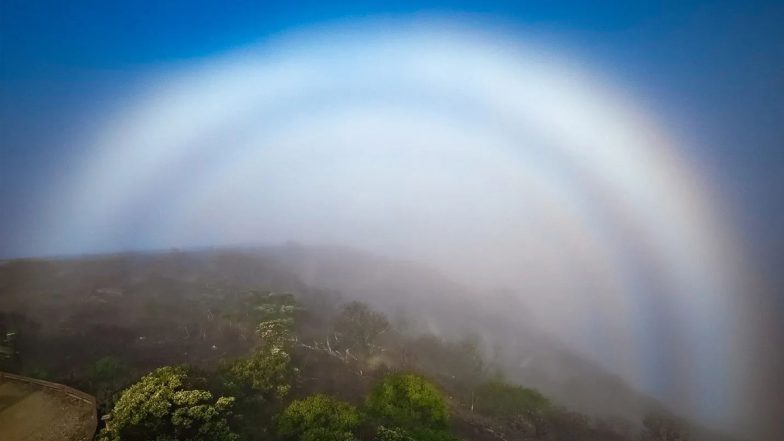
{"type": "Point", "coordinates": [463, 149]}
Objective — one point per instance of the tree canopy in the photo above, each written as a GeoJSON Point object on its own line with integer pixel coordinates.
{"type": "Point", "coordinates": [319, 418]}
{"type": "Point", "coordinates": [500, 399]}
{"type": "Point", "coordinates": [408, 401]}
{"type": "Point", "coordinates": [162, 407]}
{"type": "Point", "coordinates": [267, 371]}
{"type": "Point", "coordinates": [359, 327]}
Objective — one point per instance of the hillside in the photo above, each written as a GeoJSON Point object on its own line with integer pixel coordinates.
{"type": "Point", "coordinates": [99, 323]}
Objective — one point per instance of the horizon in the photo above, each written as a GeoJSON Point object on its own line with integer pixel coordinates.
{"type": "Point", "coordinates": [618, 167]}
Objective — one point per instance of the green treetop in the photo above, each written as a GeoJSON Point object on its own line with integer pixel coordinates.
{"type": "Point", "coordinates": [409, 407]}
{"type": "Point", "coordinates": [319, 418]}
{"type": "Point", "coordinates": [162, 407]}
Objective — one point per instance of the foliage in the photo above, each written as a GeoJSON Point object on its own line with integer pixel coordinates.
{"type": "Point", "coordinates": [255, 306]}
{"type": "Point", "coordinates": [271, 306]}
{"type": "Point", "coordinates": [459, 364]}
{"type": "Point", "coordinates": [319, 418]}
{"type": "Point", "coordinates": [161, 407]}
{"type": "Point", "coordinates": [397, 434]}
{"type": "Point", "coordinates": [267, 372]}
{"type": "Point", "coordinates": [392, 434]}
{"type": "Point", "coordinates": [496, 398]}
{"type": "Point", "coordinates": [106, 369]}
{"type": "Point", "coordinates": [275, 334]}
{"type": "Point", "coordinates": [359, 327]}
{"type": "Point", "coordinates": [658, 427]}
{"type": "Point", "coordinates": [104, 377]}
{"type": "Point", "coordinates": [408, 401]}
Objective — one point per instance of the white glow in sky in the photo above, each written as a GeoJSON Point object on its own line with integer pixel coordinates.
{"type": "Point", "coordinates": [496, 162]}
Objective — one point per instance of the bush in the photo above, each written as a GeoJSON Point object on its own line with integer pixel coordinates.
{"type": "Point", "coordinates": [408, 401]}
{"type": "Point", "coordinates": [495, 398]}
{"type": "Point", "coordinates": [319, 418]}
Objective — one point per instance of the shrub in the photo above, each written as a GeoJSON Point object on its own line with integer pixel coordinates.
{"type": "Point", "coordinates": [408, 401]}
{"type": "Point", "coordinates": [505, 400]}
{"type": "Point", "coordinates": [319, 418]}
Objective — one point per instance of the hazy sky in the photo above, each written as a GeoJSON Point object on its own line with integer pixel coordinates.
{"type": "Point", "coordinates": [712, 69]}
{"type": "Point", "coordinates": [112, 88]}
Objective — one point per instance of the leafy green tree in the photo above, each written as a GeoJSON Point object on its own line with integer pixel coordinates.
{"type": "Point", "coordinates": [267, 372]}
{"type": "Point", "coordinates": [410, 402]}
{"type": "Point", "coordinates": [496, 398]}
{"type": "Point", "coordinates": [162, 407]}
{"type": "Point", "coordinates": [104, 377]}
{"type": "Point", "coordinates": [359, 327]}
{"type": "Point", "coordinates": [319, 418]}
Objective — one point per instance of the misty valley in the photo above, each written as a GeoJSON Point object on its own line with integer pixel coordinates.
{"type": "Point", "coordinates": [304, 343]}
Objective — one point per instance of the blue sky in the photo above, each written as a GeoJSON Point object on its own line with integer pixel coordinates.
{"type": "Point", "coordinates": [714, 69]}
{"type": "Point", "coordinates": [712, 72]}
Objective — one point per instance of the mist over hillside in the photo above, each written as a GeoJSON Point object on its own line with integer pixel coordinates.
{"type": "Point", "coordinates": [158, 308]}
{"type": "Point", "coordinates": [424, 220]}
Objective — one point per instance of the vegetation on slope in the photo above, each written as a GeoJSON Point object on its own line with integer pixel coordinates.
{"type": "Point", "coordinates": [244, 363]}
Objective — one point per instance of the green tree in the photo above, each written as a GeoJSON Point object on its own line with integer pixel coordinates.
{"type": "Point", "coordinates": [104, 377]}
{"type": "Point", "coordinates": [359, 327]}
{"type": "Point", "coordinates": [411, 403]}
{"type": "Point", "coordinates": [163, 407]}
{"type": "Point", "coordinates": [267, 372]}
{"type": "Point", "coordinates": [319, 418]}
{"type": "Point", "coordinates": [496, 398]}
